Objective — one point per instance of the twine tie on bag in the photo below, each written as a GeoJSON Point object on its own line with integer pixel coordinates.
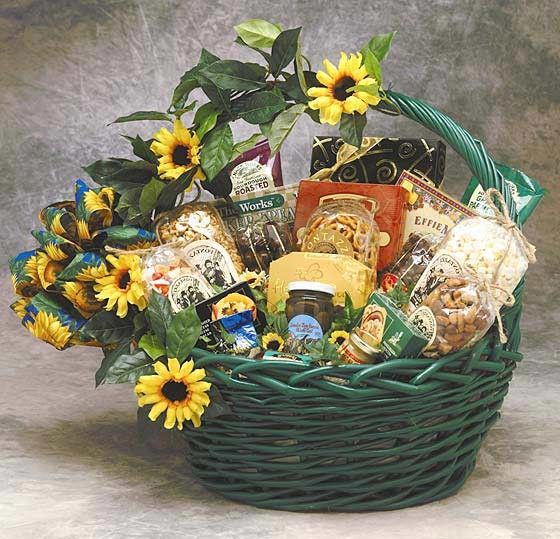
{"type": "Point", "coordinates": [488, 287]}
{"type": "Point", "coordinates": [501, 216]}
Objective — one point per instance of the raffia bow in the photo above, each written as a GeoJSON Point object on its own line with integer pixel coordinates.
{"type": "Point", "coordinates": [346, 154]}
{"type": "Point", "coordinates": [501, 216]}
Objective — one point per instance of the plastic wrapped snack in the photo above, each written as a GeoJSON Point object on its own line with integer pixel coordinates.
{"type": "Point", "coordinates": [341, 224]}
{"type": "Point", "coordinates": [413, 259]}
{"type": "Point", "coordinates": [494, 252]}
{"type": "Point", "coordinates": [461, 310]}
{"type": "Point", "coordinates": [167, 273]}
{"type": "Point", "coordinates": [194, 222]}
{"type": "Point", "coordinates": [261, 243]}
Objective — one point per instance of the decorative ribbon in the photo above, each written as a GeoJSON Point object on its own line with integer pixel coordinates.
{"type": "Point", "coordinates": [346, 154]}
{"type": "Point", "coordinates": [501, 216]}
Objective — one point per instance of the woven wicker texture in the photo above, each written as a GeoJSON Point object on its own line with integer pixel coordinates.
{"type": "Point", "coordinates": [358, 438]}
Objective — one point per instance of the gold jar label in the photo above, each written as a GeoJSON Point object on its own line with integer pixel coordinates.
{"type": "Point", "coordinates": [324, 240]}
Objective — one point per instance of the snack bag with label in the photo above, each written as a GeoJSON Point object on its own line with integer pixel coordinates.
{"type": "Point", "coordinates": [168, 273]}
{"type": "Point", "coordinates": [462, 311]}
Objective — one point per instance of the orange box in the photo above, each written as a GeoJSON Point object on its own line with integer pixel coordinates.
{"type": "Point", "coordinates": [390, 217]}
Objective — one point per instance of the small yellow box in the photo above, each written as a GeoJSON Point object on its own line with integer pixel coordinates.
{"type": "Point", "coordinates": [345, 273]}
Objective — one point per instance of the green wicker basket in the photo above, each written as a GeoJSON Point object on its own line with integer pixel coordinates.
{"type": "Point", "coordinates": [358, 438]}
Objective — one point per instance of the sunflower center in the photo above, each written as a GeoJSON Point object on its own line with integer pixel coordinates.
{"type": "Point", "coordinates": [124, 280]}
{"type": "Point", "coordinates": [273, 345]}
{"type": "Point", "coordinates": [175, 391]}
{"type": "Point", "coordinates": [181, 155]}
{"type": "Point", "coordinates": [341, 86]}
{"type": "Point", "coordinates": [339, 340]}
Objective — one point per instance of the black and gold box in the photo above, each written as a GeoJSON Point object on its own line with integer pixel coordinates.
{"type": "Point", "coordinates": [384, 161]}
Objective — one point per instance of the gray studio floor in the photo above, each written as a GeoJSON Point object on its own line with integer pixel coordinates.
{"type": "Point", "coordinates": [73, 466]}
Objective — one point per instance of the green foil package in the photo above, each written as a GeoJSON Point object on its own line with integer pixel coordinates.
{"type": "Point", "coordinates": [525, 191]}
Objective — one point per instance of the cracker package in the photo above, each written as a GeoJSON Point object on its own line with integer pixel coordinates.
{"type": "Point", "coordinates": [429, 210]}
{"type": "Point", "coordinates": [390, 214]}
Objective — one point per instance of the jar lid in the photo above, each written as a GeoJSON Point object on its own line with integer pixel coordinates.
{"type": "Point", "coordinates": [363, 345]}
{"type": "Point", "coordinates": [313, 286]}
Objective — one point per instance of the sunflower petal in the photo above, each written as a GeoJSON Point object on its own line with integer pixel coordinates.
{"type": "Point", "coordinates": [186, 369]}
{"type": "Point", "coordinates": [195, 376]}
{"type": "Point", "coordinates": [174, 366]}
{"type": "Point", "coordinates": [181, 133]}
{"type": "Point", "coordinates": [170, 417]}
{"type": "Point", "coordinates": [157, 410]}
{"type": "Point", "coordinates": [324, 79]}
{"type": "Point", "coordinates": [353, 104]}
{"type": "Point", "coordinates": [161, 369]}
{"type": "Point", "coordinates": [331, 68]}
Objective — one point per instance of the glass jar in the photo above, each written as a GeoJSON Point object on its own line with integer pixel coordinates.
{"type": "Point", "coordinates": [342, 224]}
{"type": "Point", "coordinates": [356, 350]}
{"type": "Point", "coordinates": [309, 309]}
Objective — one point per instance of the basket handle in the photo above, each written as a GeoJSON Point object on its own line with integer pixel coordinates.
{"type": "Point", "coordinates": [469, 148]}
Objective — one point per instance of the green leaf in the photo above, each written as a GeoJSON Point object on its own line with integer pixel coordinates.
{"type": "Point", "coordinates": [140, 325]}
{"type": "Point", "coordinates": [371, 89]}
{"type": "Point", "coordinates": [283, 125]}
{"type": "Point", "coordinates": [149, 196]}
{"type": "Point", "coordinates": [261, 107]}
{"type": "Point", "coordinates": [379, 45]}
{"type": "Point", "coordinates": [235, 75]}
{"type": "Point", "coordinates": [298, 62]}
{"type": "Point", "coordinates": [128, 207]}
{"type": "Point", "coordinates": [245, 145]}
{"type": "Point", "coordinates": [98, 170]}
{"type": "Point", "coordinates": [168, 196]}
{"type": "Point", "coordinates": [323, 349]}
{"type": "Point", "coordinates": [218, 406]}
{"type": "Point", "coordinates": [107, 328]}
{"type": "Point", "coordinates": [284, 50]}
{"type": "Point", "coordinates": [217, 150]}
{"type": "Point", "coordinates": [128, 175]}
{"type": "Point", "coordinates": [373, 67]}
{"type": "Point", "coordinates": [189, 80]}
{"type": "Point", "coordinates": [205, 119]}
{"type": "Point", "coordinates": [142, 115]}
{"type": "Point", "coordinates": [151, 345]}
{"type": "Point", "coordinates": [258, 33]}
{"type": "Point", "coordinates": [123, 368]}
{"type": "Point", "coordinates": [159, 315]}
{"type": "Point", "coordinates": [141, 148]}
{"type": "Point", "coordinates": [110, 357]}
{"type": "Point", "coordinates": [264, 54]}
{"type": "Point", "coordinates": [292, 89]}
{"type": "Point", "coordinates": [183, 333]}
{"type": "Point", "coordinates": [220, 98]}
{"type": "Point", "coordinates": [179, 112]}
{"type": "Point", "coordinates": [352, 127]}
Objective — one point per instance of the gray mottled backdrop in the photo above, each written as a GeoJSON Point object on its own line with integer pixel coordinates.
{"type": "Point", "coordinates": [68, 67]}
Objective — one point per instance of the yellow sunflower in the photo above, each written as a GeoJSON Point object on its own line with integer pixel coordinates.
{"type": "Point", "coordinates": [47, 269]}
{"type": "Point", "coordinates": [338, 337]}
{"type": "Point", "coordinates": [123, 284]}
{"type": "Point", "coordinates": [83, 230]}
{"type": "Point", "coordinates": [48, 328]}
{"type": "Point", "coordinates": [100, 202]}
{"type": "Point", "coordinates": [19, 306]}
{"type": "Point", "coordinates": [332, 99]}
{"type": "Point", "coordinates": [31, 269]}
{"type": "Point", "coordinates": [82, 296]}
{"type": "Point", "coordinates": [176, 389]}
{"type": "Point", "coordinates": [272, 341]}
{"type": "Point", "coordinates": [56, 225]}
{"type": "Point", "coordinates": [91, 273]}
{"type": "Point", "coordinates": [55, 252]}
{"type": "Point", "coordinates": [178, 151]}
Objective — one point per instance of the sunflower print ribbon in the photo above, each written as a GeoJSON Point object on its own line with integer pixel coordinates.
{"type": "Point", "coordinates": [56, 281]}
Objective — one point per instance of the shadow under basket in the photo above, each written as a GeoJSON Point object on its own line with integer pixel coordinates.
{"type": "Point", "coordinates": [358, 437]}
